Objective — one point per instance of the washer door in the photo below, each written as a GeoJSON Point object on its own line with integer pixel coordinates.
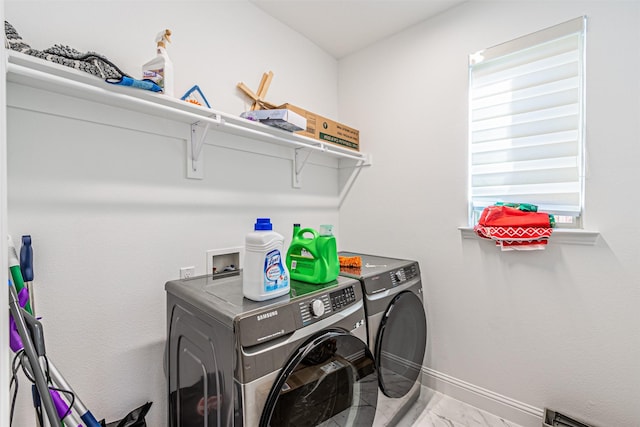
{"type": "Point", "coordinates": [400, 344]}
{"type": "Point", "coordinates": [330, 379]}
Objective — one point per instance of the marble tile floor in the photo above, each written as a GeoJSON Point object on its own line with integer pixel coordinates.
{"type": "Point", "coordinates": [434, 409]}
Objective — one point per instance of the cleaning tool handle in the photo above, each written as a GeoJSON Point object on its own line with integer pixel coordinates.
{"type": "Point", "coordinates": [64, 410]}
{"type": "Point", "coordinates": [26, 259]}
{"type": "Point", "coordinates": [16, 274]}
{"type": "Point", "coordinates": [13, 255]}
{"type": "Point", "coordinates": [39, 376]}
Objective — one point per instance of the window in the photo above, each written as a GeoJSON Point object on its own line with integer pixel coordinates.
{"type": "Point", "coordinates": [526, 120]}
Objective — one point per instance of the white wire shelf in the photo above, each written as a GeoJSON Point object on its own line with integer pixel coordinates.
{"type": "Point", "coordinates": [45, 75]}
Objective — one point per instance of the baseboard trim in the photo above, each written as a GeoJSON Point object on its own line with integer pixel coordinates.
{"type": "Point", "coordinates": [487, 400]}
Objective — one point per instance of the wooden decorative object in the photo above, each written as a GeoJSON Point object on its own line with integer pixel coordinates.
{"type": "Point", "coordinates": [259, 103]}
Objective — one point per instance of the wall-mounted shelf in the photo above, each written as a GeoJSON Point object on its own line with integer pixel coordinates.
{"type": "Point", "coordinates": [568, 236]}
{"type": "Point", "coordinates": [34, 72]}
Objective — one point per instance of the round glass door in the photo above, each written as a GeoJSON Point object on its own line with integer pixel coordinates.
{"type": "Point", "coordinates": [400, 344]}
{"type": "Point", "coordinates": [330, 380]}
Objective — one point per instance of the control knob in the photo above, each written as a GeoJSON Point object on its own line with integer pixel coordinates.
{"type": "Point", "coordinates": [317, 308]}
{"type": "Point", "coordinates": [398, 275]}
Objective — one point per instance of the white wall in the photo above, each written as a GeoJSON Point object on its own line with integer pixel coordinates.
{"type": "Point", "coordinates": [559, 328]}
{"type": "Point", "coordinates": [4, 323]}
{"type": "Point", "coordinates": [113, 218]}
{"type": "Point", "coordinates": [108, 206]}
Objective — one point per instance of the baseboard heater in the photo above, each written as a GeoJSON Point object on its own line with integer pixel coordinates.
{"type": "Point", "coordinates": [556, 419]}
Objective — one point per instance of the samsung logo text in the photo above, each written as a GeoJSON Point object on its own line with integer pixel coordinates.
{"type": "Point", "coordinates": [267, 315]}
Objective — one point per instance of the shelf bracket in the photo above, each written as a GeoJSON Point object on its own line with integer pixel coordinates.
{"type": "Point", "coordinates": [195, 163]}
{"type": "Point", "coordinates": [349, 178]}
{"type": "Point", "coordinates": [299, 164]}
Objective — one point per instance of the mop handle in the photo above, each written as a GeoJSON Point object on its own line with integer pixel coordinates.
{"type": "Point", "coordinates": [26, 259]}
{"type": "Point", "coordinates": [85, 414]}
{"type": "Point", "coordinates": [30, 351]}
{"type": "Point", "coordinates": [16, 274]}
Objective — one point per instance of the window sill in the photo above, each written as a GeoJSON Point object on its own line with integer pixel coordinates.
{"type": "Point", "coordinates": [566, 236]}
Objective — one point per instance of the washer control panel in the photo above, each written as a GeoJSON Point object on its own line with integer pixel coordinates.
{"type": "Point", "coordinates": [403, 274]}
{"type": "Point", "coordinates": [312, 309]}
{"type": "Point", "coordinates": [342, 298]}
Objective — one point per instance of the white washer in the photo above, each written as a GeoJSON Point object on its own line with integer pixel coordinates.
{"type": "Point", "coordinates": [397, 328]}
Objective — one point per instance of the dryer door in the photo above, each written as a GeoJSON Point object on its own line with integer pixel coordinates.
{"type": "Point", "coordinates": [400, 344]}
{"type": "Point", "coordinates": [330, 377]}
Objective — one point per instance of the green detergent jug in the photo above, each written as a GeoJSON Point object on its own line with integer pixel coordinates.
{"type": "Point", "coordinates": [313, 257]}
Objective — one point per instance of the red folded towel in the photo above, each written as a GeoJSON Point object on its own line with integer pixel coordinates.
{"type": "Point", "coordinates": [512, 228]}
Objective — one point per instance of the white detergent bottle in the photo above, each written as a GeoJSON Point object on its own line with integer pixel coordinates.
{"type": "Point", "coordinates": [160, 69]}
{"type": "Point", "coordinates": [265, 274]}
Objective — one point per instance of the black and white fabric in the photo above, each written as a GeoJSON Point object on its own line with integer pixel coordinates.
{"type": "Point", "coordinates": [89, 62]}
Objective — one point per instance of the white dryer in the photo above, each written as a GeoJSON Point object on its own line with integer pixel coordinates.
{"type": "Point", "coordinates": [397, 328]}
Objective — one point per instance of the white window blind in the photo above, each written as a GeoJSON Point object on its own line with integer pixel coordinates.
{"type": "Point", "coordinates": [526, 121]}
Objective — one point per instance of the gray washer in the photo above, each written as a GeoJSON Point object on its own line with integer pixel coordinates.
{"type": "Point", "coordinates": [397, 328]}
{"type": "Point", "coordinates": [297, 359]}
